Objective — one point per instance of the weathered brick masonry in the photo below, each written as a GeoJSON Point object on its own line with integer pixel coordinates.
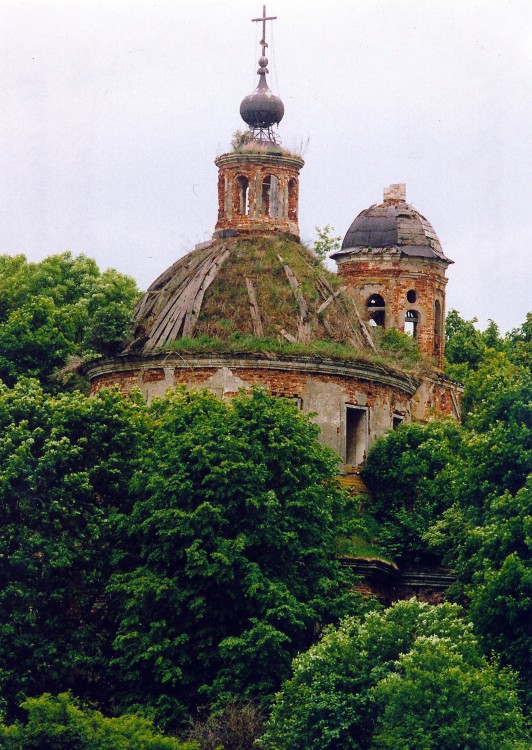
{"type": "Point", "coordinates": [393, 279]}
{"type": "Point", "coordinates": [392, 261]}
{"type": "Point", "coordinates": [258, 192]}
{"type": "Point", "coordinates": [327, 388]}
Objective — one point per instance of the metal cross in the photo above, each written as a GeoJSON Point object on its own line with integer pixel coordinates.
{"type": "Point", "coordinates": [264, 18]}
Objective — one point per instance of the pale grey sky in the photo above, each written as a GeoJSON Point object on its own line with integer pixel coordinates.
{"type": "Point", "coordinates": [111, 114]}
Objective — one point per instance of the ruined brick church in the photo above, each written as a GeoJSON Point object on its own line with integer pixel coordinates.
{"type": "Point", "coordinates": [255, 306]}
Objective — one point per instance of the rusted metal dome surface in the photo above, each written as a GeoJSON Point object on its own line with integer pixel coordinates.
{"type": "Point", "coordinates": [262, 109]}
{"type": "Point", "coordinates": [267, 288]}
{"type": "Point", "coordinates": [393, 224]}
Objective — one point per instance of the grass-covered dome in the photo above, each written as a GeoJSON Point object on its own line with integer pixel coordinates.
{"type": "Point", "coordinates": [269, 288]}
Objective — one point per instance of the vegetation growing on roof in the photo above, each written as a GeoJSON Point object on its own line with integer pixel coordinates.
{"type": "Point", "coordinates": [391, 358]}
{"type": "Point", "coordinates": [243, 142]}
{"type": "Point", "coordinates": [266, 264]}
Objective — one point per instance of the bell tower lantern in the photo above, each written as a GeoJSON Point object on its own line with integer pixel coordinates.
{"type": "Point", "coordinates": [258, 181]}
{"type": "Point", "coordinates": [392, 262]}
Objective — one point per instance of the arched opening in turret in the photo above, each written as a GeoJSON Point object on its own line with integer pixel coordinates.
{"type": "Point", "coordinates": [376, 310]}
{"type": "Point", "coordinates": [438, 325]}
{"type": "Point", "coordinates": [270, 196]}
{"type": "Point", "coordinates": [242, 195]}
{"type": "Point", "coordinates": [292, 199]}
{"type": "Point", "coordinates": [412, 323]}
{"type": "Point", "coordinates": [266, 188]}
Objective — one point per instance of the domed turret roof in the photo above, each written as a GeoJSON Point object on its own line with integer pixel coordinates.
{"type": "Point", "coordinates": [262, 109]}
{"type": "Point", "coordinates": [267, 288]}
{"type": "Point", "coordinates": [392, 225]}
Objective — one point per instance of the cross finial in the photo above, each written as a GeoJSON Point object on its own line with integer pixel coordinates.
{"type": "Point", "coordinates": [264, 18]}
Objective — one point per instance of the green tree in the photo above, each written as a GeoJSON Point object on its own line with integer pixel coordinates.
{"type": "Point", "coordinates": [462, 493]}
{"type": "Point", "coordinates": [60, 307]}
{"type": "Point", "coordinates": [485, 533]}
{"type": "Point", "coordinates": [464, 345]}
{"type": "Point", "coordinates": [60, 723]}
{"type": "Point", "coordinates": [326, 243]}
{"type": "Point", "coordinates": [350, 691]}
{"type": "Point", "coordinates": [437, 698]}
{"type": "Point", "coordinates": [519, 343]}
{"type": "Point", "coordinates": [409, 475]}
{"type": "Point", "coordinates": [491, 554]}
{"type": "Point", "coordinates": [35, 340]}
{"type": "Point", "coordinates": [232, 538]}
{"type": "Point", "coordinates": [65, 464]}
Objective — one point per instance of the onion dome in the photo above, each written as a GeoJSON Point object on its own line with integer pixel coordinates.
{"type": "Point", "coordinates": [262, 109]}
{"type": "Point", "coordinates": [266, 289]}
{"type": "Point", "coordinates": [393, 225]}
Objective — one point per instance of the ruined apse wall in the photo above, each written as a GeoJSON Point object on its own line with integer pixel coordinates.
{"type": "Point", "coordinates": [326, 388]}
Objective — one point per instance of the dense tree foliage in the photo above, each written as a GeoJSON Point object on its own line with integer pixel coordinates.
{"type": "Point", "coordinates": [409, 474]}
{"type": "Point", "coordinates": [60, 307]}
{"type": "Point", "coordinates": [59, 723]}
{"type": "Point", "coordinates": [466, 345]}
{"type": "Point", "coordinates": [164, 556]}
{"type": "Point", "coordinates": [461, 494]}
{"type": "Point", "coordinates": [65, 464]}
{"type": "Point", "coordinates": [412, 676]}
{"type": "Point", "coordinates": [231, 548]}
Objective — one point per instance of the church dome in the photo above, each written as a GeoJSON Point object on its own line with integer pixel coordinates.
{"type": "Point", "coordinates": [262, 109]}
{"type": "Point", "coordinates": [268, 288]}
{"type": "Point", "coordinates": [395, 225]}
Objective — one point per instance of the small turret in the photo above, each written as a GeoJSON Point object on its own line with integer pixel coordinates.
{"type": "Point", "coordinates": [393, 263]}
{"type": "Point", "coordinates": [258, 182]}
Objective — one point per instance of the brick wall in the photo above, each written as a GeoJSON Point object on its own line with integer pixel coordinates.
{"type": "Point", "coordinates": [326, 395]}
{"type": "Point", "coordinates": [393, 278]}
{"type": "Point", "coordinates": [258, 193]}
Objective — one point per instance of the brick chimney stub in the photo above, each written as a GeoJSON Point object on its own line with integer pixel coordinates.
{"type": "Point", "coordinates": [395, 192]}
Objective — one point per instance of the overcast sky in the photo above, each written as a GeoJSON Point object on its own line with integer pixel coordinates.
{"type": "Point", "coordinates": [111, 113]}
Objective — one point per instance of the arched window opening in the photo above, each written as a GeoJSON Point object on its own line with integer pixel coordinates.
{"type": "Point", "coordinates": [243, 195]}
{"type": "Point", "coordinates": [266, 193]}
{"type": "Point", "coordinates": [356, 434]}
{"type": "Point", "coordinates": [270, 196]}
{"type": "Point", "coordinates": [412, 323]}
{"type": "Point", "coordinates": [411, 295]}
{"type": "Point", "coordinates": [292, 199]}
{"type": "Point", "coordinates": [438, 326]}
{"type": "Point", "coordinates": [376, 308]}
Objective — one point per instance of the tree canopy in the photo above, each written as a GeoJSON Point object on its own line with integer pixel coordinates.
{"type": "Point", "coordinates": [65, 465]}
{"type": "Point", "coordinates": [60, 723]}
{"type": "Point", "coordinates": [163, 556]}
{"type": "Point", "coordinates": [460, 495]}
{"type": "Point", "coordinates": [60, 307]}
{"type": "Point", "coordinates": [231, 550]}
{"type": "Point", "coordinates": [412, 676]}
